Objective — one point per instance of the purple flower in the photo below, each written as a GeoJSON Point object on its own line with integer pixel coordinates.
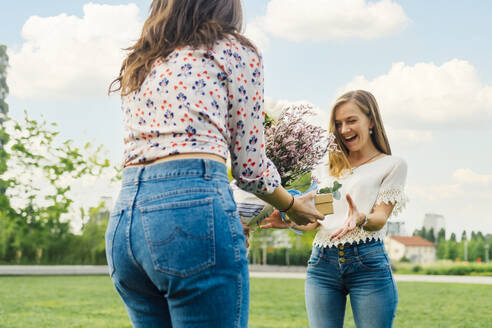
{"type": "Point", "coordinates": [294, 145]}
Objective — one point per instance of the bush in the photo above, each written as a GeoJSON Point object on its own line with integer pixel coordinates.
{"type": "Point", "coordinates": [404, 259]}
{"type": "Point", "coordinates": [417, 268]}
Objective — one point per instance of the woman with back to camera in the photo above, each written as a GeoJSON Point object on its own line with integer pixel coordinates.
{"type": "Point", "coordinates": [348, 256]}
{"type": "Point", "coordinates": [192, 93]}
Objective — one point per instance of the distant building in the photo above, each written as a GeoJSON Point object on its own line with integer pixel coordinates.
{"type": "Point", "coordinates": [395, 228]}
{"type": "Point", "coordinates": [434, 221]}
{"type": "Point", "coordinates": [415, 248]}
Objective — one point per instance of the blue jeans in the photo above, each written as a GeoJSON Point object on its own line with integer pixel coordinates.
{"type": "Point", "coordinates": [176, 249]}
{"type": "Point", "coordinates": [362, 271]}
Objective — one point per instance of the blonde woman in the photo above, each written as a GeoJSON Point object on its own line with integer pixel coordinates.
{"type": "Point", "coordinates": [348, 256]}
{"type": "Point", "coordinates": [192, 96]}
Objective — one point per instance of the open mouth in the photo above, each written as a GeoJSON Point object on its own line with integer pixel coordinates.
{"type": "Point", "coordinates": [351, 139]}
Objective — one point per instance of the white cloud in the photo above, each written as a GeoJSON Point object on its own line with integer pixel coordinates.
{"type": "Point", "coordinates": [322, 20]}
{"type": "Point", "coordinates": [469, 176]}
{"type": "Point", "coordinates": [258, 36]}
{"type": "Point", "coordinates": [427, 95]}
{"type": "Point", "coordinates": [72, 57]}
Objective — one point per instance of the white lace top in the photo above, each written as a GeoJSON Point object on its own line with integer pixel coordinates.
{"type": "Point", "coordinates": [373, 183]}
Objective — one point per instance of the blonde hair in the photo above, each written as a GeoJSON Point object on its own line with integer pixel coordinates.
{"type": "Point", "coordinates": [176, 23]}
{"type": "Point", "coordinates": [338, 161]}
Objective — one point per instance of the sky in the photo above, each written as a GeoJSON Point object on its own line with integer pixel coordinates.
{"type": "Point", "coordinates": [427, 63]}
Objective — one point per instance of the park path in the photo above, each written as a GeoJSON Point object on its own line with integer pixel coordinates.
{"type": "Point", "coordinates": [256, 271]}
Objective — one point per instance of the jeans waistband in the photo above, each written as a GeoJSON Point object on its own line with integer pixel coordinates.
{"type": "Point", "coordinates": [351, 248]}
{"type": "Point", "coordinates": [194, 167]}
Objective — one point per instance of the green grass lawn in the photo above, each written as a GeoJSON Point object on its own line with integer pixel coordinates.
{"type": "Point", "coordinates": [91, 301]}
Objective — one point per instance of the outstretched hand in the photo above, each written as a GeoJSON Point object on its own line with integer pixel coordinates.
{"type": "Point", "coordinates": [353, 219]}
{"type": "Point", "coordinates": [273, 221]}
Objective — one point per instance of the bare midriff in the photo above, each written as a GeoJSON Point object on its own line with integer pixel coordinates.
{"type": "Point", "coordinates": [212, 157]}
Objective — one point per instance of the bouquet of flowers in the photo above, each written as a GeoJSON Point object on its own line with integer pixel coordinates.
{"type": "Point", "coordinates": [295, 146]}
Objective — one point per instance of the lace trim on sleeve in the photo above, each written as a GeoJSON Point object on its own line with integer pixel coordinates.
{"type": "Point", "coordinates": [394, 196]}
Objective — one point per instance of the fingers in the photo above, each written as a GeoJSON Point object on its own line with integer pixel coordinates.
{"type": "Point", "coordinates": [344, 232]}
{"type": "Point", "coordinates": [336, 233]}
{"type": "Point", "coordinates": [266, 226]}
{"type": "Point", "coordinates": [303, 221]}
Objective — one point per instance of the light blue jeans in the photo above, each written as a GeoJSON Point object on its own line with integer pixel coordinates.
{"type": "Point", "coordinates": [175, 247]}
{"type": "Point", "coordinates": [362, 271]}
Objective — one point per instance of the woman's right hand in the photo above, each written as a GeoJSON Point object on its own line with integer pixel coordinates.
{"type": "Point", "coordinates": [275, 221]}
{"type": "Point", "coordinates": [303, 211]}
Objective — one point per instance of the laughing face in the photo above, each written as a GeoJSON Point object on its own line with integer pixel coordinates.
{"type": "Point", "coordinates": [353, 126]}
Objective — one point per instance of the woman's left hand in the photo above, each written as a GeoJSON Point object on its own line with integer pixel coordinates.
{"type": "Point", "coordinates": [354, 217]}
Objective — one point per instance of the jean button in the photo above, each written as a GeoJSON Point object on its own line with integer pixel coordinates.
{"type": "Point", "coordinates": [342, 260]}
{"type": "Point", "coordinates": [341, 247]}
{"type": "Point", "coordinates": [341, 253]}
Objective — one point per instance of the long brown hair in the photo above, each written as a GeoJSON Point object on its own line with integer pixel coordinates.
{"type": "Point", "coordinates": [338, 161]}
{"type": "Point", "coordinates": [178, 23]}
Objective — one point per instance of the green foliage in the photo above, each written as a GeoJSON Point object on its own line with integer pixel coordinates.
{"type": "Point", "coordinates": [89, 247]}
{"type": "Point", "coordinates": [302, 183]}
{"type": "Point", "coordinates": [330, 190]}
{"type": "Point", "coordinates": [431, 236]}
{"type": "Point", "coordinates": [5, 209]}
{"type": "Point", "coordinates": [441, 234]}
{"type": "Point", "coordinates": [405, 259]}
{"type": "Point", "coordinates": [34, 232]}
{"type": "Point", "coordinates": [461, 270]}
{"type": "Point", "coordinates": [453, 250]}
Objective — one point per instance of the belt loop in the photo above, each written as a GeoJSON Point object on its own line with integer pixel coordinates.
{"type": "Point", "coordinates": [139, 173]}
{"type": "Point", "coordinates": [356, 249]}
{"type": "Point", "coordinates": [207, 169]}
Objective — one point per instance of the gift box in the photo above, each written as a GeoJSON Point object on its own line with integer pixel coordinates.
{"type": "Point", "coordinates": [324, 203]}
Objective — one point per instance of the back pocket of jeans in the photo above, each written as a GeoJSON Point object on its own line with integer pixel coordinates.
{"type": "Point", "coordinates": [180, 236]}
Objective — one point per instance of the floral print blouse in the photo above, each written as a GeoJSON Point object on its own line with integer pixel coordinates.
{"type": "Point", "coordinates": [203, 101]}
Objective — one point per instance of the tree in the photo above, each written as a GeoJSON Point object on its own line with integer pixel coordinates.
{"type": "Point", "coordinates": [441, 249]}
{"type": "Point", "coordinates": [463, 235]}
{"type": "Point", "coordinates": [452, 250]}
{"type": "Point", "coordinates": [4, 137]}
{"type": "Point", "coordinates": [441, 244]}
{"type": "Point", "coordinates": [40, 170]}
{"type": "Point", "coordinates": [7, 227]}
{"type": "Point", "coordinates": [441, 235]}
{"type": "Point", "coordinates": [89, 247]}
{"type": "Point", "coordinates": [430, 235]}
{"type": "Point", "coordinates": [452, 237]}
